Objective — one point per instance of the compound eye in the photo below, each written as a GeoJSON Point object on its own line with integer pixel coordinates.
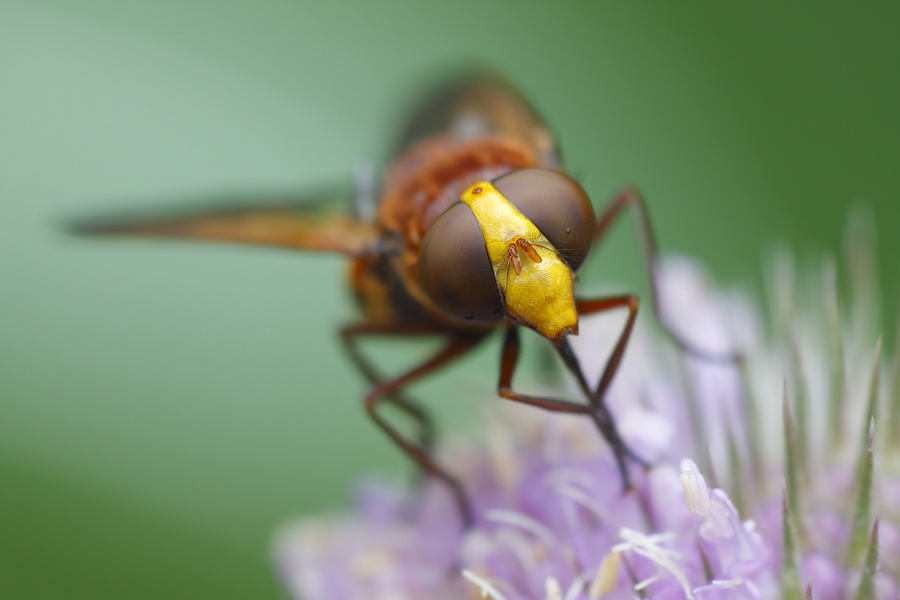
{"type": "Point", "coordinates": [455, 271]}
{"type": "Point", "coordinates": [557, 205]}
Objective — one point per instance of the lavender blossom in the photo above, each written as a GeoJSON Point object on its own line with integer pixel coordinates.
{"type": "Point", "coordinates": [771, 478]}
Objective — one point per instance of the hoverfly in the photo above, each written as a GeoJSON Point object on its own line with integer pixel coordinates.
{"type": "Point", "coordinates": [475, 228]}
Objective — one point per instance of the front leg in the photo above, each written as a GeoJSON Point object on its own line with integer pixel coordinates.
{"type": "Point", "coordinates": [596, 409]}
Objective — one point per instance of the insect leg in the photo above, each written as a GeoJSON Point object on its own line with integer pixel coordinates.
{"type": "Point", "coordinates": [595, 409]}
{"type": "Point", "coordinates": [597, 397]}
{"type": "Point", "coordinates": [456, 346]}
{"type": "Point", "coordinates": [586, 307]}
{"type": "Point", "coordinates": [508, 360]}
{"type": "Point", "coordinates": [413, 408]}
{"type": "Point", "coordinates": [632, 198]}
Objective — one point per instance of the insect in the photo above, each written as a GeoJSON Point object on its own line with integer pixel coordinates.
{"type": "Point", "coordinates": [475, 228]}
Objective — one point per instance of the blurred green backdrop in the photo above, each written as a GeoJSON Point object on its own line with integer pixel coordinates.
{"type": "Point", "coordinates": [163, 407]}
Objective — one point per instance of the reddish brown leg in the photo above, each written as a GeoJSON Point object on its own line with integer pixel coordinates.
{"type": "Point", "coordinates": [631, 197]}
{"type": "Point", "coordinates": [598, 396]}
{"type": "Point", "coordinates": [596, 408]}
{"type": "Point", "coordinates": [587, 307]}
{"type": "Point", "coordinates": [387, 391]}
{"type": "Point", "coordinates": [508, 361]}
{"type": "Point", "coordinates": [413, 408]}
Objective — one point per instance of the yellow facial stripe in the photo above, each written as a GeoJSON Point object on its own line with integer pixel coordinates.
{"type": "Point", "coordinates": [500, 221]}
{"type": "Point", "coordinates": [535, 282]}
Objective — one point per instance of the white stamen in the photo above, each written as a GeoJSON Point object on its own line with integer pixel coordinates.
{"type": "Point", "coordinates": [648, 547]}
{"type": "Point", "coordinates": [649, 581]}
{"type": "Point", "coordinates": [575, 588]}
{"type": "Point", "coordinates": [517, 519]}
{"type": "Point", "coordinates": [720, 584]}
{"type": "Point", "coordinates": [524, 551]}
{"type": "Point", "coordinates": [633, 538]}
{"type": "Point", "coordinates": [584, 500]}
{"type": "Point", "coordinates": [487, 590]}
{"type": "Point", "coordinates": [554, 592]}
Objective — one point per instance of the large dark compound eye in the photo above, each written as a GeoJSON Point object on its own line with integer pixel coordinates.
{"type": "Point", "coordinates": [455, 271]}
{"type": "Point", "coordinates": [557, 205]}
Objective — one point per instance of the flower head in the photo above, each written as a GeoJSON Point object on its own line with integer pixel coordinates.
{"type": "Point", "coordinates": [772, 477]}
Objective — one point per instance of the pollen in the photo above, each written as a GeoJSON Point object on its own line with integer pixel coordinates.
{"type": "Point", "coordinates": [607, 574]}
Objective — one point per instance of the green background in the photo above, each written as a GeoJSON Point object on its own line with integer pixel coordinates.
{"type": "Point", "coordinates": [164, 406]}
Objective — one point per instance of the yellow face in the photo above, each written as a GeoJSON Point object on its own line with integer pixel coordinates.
{"type": "Point", "coordinates": [535, 282]}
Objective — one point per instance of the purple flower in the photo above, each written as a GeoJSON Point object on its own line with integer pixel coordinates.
{"type": "Point", "coordinates": [771, 478]}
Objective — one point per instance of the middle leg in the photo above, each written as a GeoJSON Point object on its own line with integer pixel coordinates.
{"type": "Point", "coordinates": [388, 390]}
{"type": "Point", "coordinates": [350, 336]}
